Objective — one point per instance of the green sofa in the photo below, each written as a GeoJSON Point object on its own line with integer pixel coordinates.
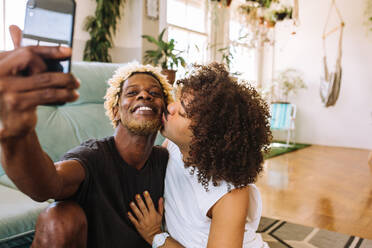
{"type": "Point", "coordinates": [59, 129]}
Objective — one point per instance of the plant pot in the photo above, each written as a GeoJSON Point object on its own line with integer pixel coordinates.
{"type": "Point", "coordinates": [228, 2]}
{"type": "Point", "coordinates": [270, 24]}
{"type": "Point", "coordinates": [170, 74]}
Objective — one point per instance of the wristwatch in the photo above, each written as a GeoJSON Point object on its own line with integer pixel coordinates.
{"type": "Point", "coordinates": [159, 239]}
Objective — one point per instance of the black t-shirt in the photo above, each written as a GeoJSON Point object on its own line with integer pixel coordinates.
{"type": "Point", "coordinates": [110, 185]}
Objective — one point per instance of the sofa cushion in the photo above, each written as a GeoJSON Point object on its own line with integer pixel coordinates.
{"type": "Point", "coordinates": [18, 215]}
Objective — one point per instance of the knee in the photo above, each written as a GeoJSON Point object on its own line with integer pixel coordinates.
{"type": "Point", "coordinates": [62, 224]}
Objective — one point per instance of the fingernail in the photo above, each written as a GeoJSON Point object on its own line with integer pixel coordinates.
{"type": "Point", "coordinates": [146, 193]}
{"type": "Point", "coordinates": [78, 82]}
{"type": "Point", "coordinates": [132, 203]}
{"type": "Point", "coordinates": [76, 94]}
{"type": "Point", "coordinates": [138, 196]}
{"type": "Point", "coordinates": [65, 49]}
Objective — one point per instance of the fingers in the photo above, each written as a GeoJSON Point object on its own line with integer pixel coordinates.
{"type": "Point", "coordinates": [133, 220]}
{"type": "Point", "coordinates": [39, 81]}
{"type": "Point", "coordinates": [47, 96]}
{"type": "Point", "coordinates": [28, 100]}
{"type": "Point", "coordinates": [49, 52]}
{"type": "Point", "coordinates": [149, 203]}
{"type": "Point", "coordinates": [161, 206]}
{"type": "Point", "coordinates": [136, 211]}
{"type": "Point", "coordinates": [30, 58]}
{"type": "Point", "coordinates": [16, 34]}
{"type": "Point", "coordinates": [19, 60]}
{"type": "Point", "coordinates": [142, 205]}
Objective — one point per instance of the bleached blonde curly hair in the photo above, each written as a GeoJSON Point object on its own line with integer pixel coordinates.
{"type": "Point", "coordinates": [123, 73]}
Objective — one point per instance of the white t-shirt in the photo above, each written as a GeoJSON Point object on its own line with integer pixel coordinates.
{"type": "Point", "coordinates": [187, 203]}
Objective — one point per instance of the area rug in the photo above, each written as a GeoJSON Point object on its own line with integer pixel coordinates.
{"type": "Point", "coordinates": [282, 234]}
{"type": "Point", "coordinates": [279, 148]}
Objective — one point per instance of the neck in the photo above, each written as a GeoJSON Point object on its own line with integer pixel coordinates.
{"type": "Point", "coordinates": [184, 149]}
{"type": "Point", "coordinates": [134, 149]}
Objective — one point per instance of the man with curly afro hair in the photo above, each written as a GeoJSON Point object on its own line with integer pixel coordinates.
{"type": "Point", "coordinates": [217, 130]}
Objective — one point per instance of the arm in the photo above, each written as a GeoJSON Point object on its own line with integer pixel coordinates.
{"type": "Point", "coordinates": [34, 172]}
{"type": "Point", "coordinates": [22, 157]}
{"type": "Point", "coordinates": [229, 216]}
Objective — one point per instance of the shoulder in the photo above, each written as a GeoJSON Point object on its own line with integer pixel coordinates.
{"type": "Point", "coordinates": [236, 201]}
{"type": "Point", "coordinates": [88, 148]}
{"type": "Point", "coordinates": [160, 154]}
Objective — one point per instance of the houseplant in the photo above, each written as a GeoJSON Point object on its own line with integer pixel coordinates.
{"type": "Point", "coordinates": [165, 55]}
{"type": "Point", "coordinates": [223, 2]}
{"type": "Point", "coordinates": [227, 57]}
{"type": "Point", "coordinates": [286, 84]}
{"type": "Point", "coordinates": [262, 15]}
{"type": "Point", "coordinates": [101, 28]}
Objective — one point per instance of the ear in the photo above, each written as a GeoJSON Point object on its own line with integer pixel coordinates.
{"type": "Point", "coordinates": [116, 113]}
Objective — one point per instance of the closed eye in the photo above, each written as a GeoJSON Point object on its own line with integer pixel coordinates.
{"type": "Point", "coordinates": [156, 94]}
{"type": "Point", "coordinates": [131, 93]}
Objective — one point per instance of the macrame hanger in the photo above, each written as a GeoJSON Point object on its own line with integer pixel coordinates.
{"type": "Point", "coordinates": [342, 23]}
{"type": "Point", "coordinates": [328, 33]}
{"type": "Point", "coordinates": [296, 15]}
{"type": "Point", "coordinates": [331, 83]}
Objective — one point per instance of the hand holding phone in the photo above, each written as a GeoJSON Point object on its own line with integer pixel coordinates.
{"type": "Point", "coordinates": [50, 23]}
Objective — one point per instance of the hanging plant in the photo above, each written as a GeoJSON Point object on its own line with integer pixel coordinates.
{"type": "Point", "coordinates": [262, 15]}
{"type": "Point", "coordinates": [102, 28]}
{"type": "Point", "coordinates": [223, 2]}
{"type": "Point", "coordinates": [263, 3]}
{"type": "Point", "coordinates": [368, 14]}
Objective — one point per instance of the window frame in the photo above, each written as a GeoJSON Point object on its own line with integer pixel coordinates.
{"type": "Point", "coordinates": [207, 24]}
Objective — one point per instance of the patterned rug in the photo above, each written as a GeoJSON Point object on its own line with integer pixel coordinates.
{"type": "Point", "coordinates": [282, 234]}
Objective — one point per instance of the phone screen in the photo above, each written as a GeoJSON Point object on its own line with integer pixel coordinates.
{"type": "Point", "coordinates": [50, 23]}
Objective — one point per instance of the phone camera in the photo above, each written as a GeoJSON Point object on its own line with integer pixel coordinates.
{"type": "Point", "coordinates": [31, 4]}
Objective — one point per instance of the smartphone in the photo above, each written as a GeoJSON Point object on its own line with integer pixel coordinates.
{"type": "Point", "coordinates": [50, 23]}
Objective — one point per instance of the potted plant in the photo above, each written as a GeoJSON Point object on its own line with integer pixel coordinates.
{"type": "Point", "coordinates": [287, 83]}
{"type": "Point", "coordinates": [165, 55]}
{"type": "Point", "coordinates": [227, 57]}
{"type": "Point", "coordinates": [102, 28]}
{"type": "Point", "coordinates": [223, 2]}
{"type": "Point", "coordinates": [283, 13]}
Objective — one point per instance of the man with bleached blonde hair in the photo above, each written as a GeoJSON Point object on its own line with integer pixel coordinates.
{"type": "Point", "coordinates": [98, 179]}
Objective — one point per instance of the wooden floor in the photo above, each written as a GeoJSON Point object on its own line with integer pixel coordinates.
{"type": "Point", "coordinates": [319, 186]}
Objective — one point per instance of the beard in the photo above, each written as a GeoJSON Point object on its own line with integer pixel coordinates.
{"type": "Point", "coordinates": [142, 128]}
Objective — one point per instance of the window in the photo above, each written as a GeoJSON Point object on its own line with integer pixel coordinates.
{"type": "Point", "coordinates": [188, 26]}
{"type": "Point", "coordinates": [11, 12]}
{"type": "Point", "coordinates": [241, 47]}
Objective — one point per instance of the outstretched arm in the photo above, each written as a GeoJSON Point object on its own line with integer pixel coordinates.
{"type": "Point", "coordinates": [22, 158]}
{"type": "Point", "coordinates": [148, 221]}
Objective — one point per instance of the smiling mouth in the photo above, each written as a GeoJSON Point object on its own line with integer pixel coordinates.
{"type": "Point", "coordinates": [144, 110]}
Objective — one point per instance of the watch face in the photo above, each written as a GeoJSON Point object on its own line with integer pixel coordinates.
{"type": "Point", "coordinates": [159, 239]}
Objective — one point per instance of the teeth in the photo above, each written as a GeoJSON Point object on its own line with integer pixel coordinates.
{"type": "Point", "coordinates": [144, 108]}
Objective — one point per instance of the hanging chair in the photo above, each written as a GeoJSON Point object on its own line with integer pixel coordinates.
{"type": "Point", "coordinates": [330, 83]}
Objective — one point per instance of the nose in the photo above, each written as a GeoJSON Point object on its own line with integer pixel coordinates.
{"type": "Point", "coordinates": [144, 95]}
{"type": "Point", "coordinates": [172, 108]}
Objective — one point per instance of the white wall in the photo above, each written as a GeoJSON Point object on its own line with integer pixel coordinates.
{"type": "Point", "coordinates": [127, 42]}
{"type": "Point", "coordinates": [349, 122]}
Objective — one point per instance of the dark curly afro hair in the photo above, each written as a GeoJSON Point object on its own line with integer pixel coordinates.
{"type": "Point", "coordinates": [230, 126]}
